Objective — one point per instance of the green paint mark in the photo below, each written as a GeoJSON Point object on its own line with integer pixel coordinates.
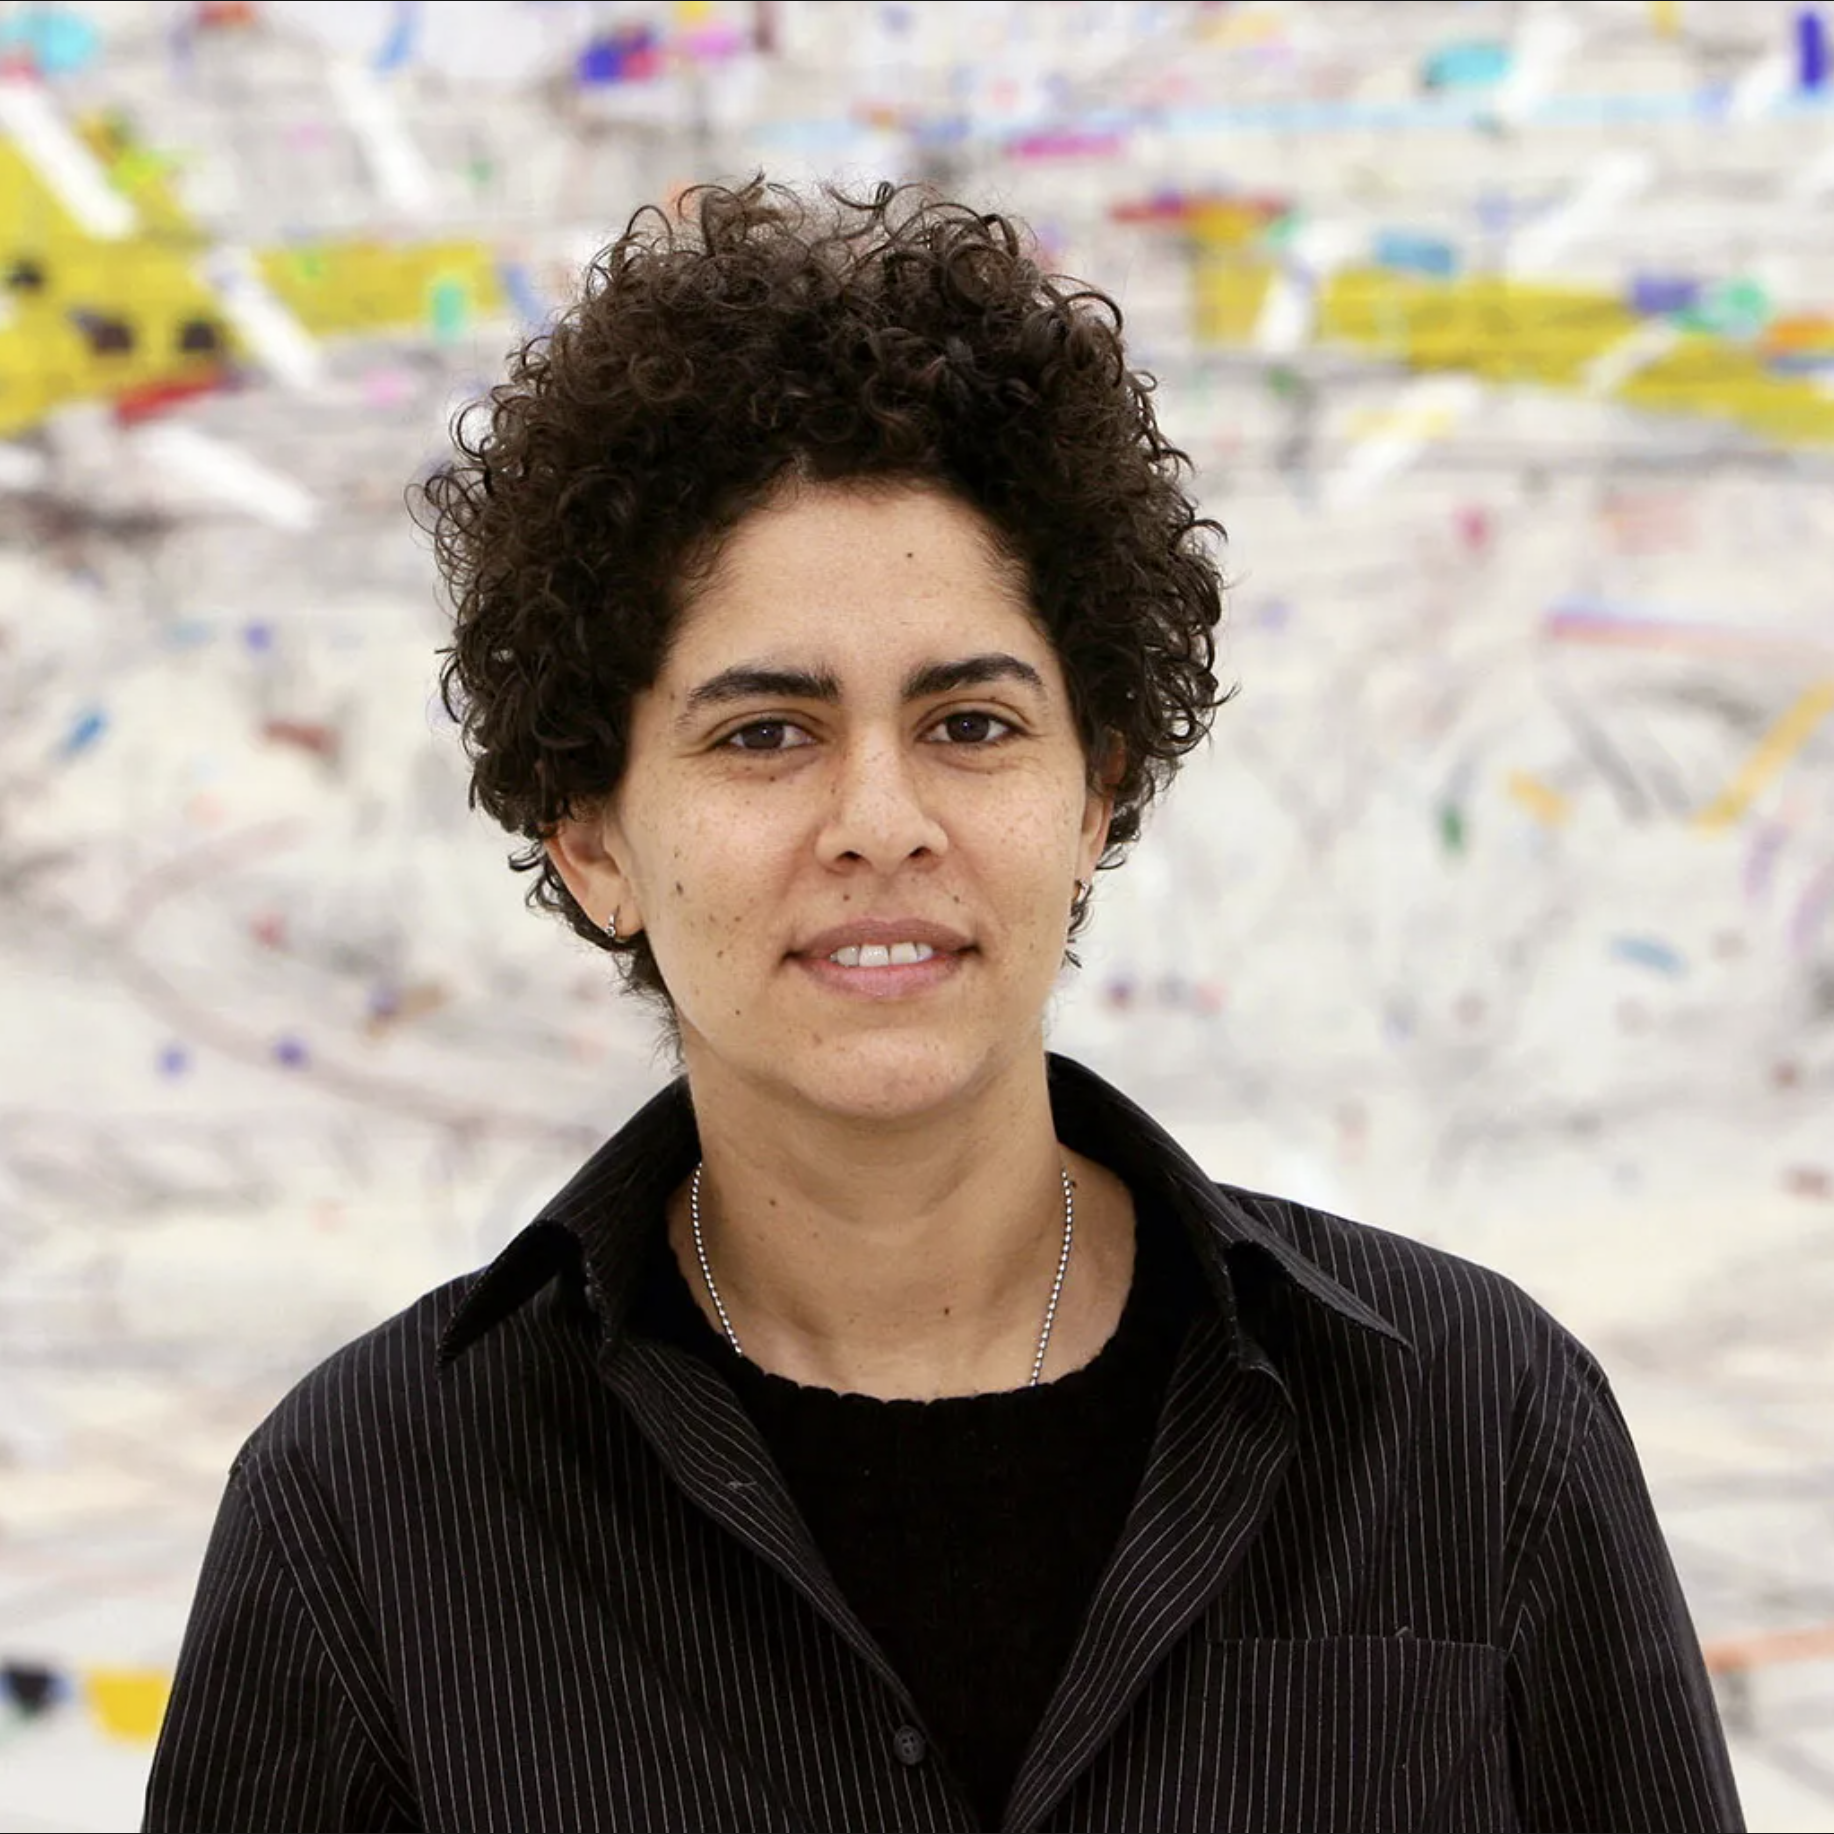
{"type": "Point", "coordinates": [1733, 309]}
{"type": "Point", "coordinates": [1282, 229]}
{"type": "Point", "coordinates": [449, 307]}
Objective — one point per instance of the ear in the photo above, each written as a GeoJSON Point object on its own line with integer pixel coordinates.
{"type": "Point", "coordinates": [1098, 808]}
{"type": "Point", "coordinates": [588, 853]}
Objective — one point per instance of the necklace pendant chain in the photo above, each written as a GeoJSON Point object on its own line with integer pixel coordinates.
{"type": "Point", "coordinates": [1050, 1310]}
{"type": "Point", "coordinates": [706, 1272]}
{"type": "Point", "coordinates": [1063, 1265]}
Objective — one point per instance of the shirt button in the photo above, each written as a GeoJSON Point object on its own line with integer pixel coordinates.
{"type": "Point", "coordinates": [908, 1746]}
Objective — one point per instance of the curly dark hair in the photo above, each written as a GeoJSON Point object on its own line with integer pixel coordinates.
{"type": "Point", "coordinates": [755, 336]}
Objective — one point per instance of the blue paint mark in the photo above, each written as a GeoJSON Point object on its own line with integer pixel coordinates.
{"type": "Point", "coordinates": [90, 725]}
{"type": "Point", "coordinates": [1496, 211]}
{"type": "Point", "coordinates": [259, 637]}
{"type": "Point", "coordinates": [55, 40]}
{"type": "Point", "coordinates": [1811, 49]}
{"type": "Point", "coordinates": [1408, 252]}
{"type": "Point", "coordinates": [630, 55]}
{"type": "Point", "coordinates": [524, 295]}
{"type": "Point", "coordinates": [1648, 952]}
{"type": "Point", "coordinates": [1657, 295]}
{"type": "Point", "coordinates": [174, 1060]}
{"type": "Point", "coordinates": [1446, 111]}
{"type": "Point", "coordinates": [1466, 66]}
{"type": "Point", "coordinates": [1800, 363]}
{"type": "Point", "coordinates": [290, 1052]}
{"type": "Point", "coordinates": [403, 30]}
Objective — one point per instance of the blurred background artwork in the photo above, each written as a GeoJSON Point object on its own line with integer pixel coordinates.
{"type": "Point", "coordinates": [1500, 912]}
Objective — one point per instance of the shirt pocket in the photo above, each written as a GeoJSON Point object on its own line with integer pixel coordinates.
{"type": "Point", "coordinates": [1371, 1733]}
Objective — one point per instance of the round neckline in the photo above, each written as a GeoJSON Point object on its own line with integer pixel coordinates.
{"type": "Point", "coordinates": [688, 1326]}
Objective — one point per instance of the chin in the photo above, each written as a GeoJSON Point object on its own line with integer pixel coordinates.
{"type": "Point", "coordinates": [884, 1077]}
{"type": "Point", "coordinates": [887, 1078]}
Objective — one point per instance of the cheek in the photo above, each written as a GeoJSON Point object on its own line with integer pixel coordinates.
{"type": "Point", "coordinates": [705, 887]}
{"type": "Point", "coordinates": [1035, 849]}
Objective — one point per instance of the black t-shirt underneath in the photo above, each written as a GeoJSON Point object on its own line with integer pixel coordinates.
{"type": "Point", "coordinates": [968, 1533]}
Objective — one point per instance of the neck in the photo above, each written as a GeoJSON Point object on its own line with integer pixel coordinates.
{"type": "Point", "coordinates": [908, 1259]}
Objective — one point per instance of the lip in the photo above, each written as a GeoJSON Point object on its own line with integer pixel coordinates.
{"type": "Point", "coordinates": [885, 931]}
{"type": "Point", "coordinates": [905, 980]}
{"type": "Point", "coordinates": [901, 981]}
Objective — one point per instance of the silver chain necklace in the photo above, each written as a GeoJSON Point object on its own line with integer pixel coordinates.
{"type": "Point", "coordinates": [1050, 1311]}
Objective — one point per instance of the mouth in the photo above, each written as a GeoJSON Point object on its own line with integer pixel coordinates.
{"type": "Point", "coordinates": [881, 954]}
{"type": "Point", "coordinates": [883, 970]}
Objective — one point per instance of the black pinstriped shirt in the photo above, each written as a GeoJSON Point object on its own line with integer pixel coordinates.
{"type": "Point", "coordinates": [967, 1533]}
{"type": "Point", "coordinates": [508, 1563]}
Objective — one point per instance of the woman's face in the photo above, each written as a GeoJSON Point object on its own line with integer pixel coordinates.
{"type": "Point", "coordinates": [855, 809]}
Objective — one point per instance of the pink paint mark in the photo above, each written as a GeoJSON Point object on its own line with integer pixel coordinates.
{"type": "Point", "coordinates": [387, 388]}
{"type": "Point", "coordinates": [1630, 628]}
{"type": "Point", "coordinates": [1765, 845]}
{"type": "Point", "coordinates": [1813, 909]}
{"type": "Point", "coordinates": [1067, 145]}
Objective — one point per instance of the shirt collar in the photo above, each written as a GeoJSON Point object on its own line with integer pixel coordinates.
{"type": "Point", "coordinates": [598, 1227]}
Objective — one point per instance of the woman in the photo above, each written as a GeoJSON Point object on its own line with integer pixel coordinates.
{"type": "Point", "coordinates": [891, 1427]}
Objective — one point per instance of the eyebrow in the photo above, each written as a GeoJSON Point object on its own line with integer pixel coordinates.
{"type": "Point", "coordinates": [756, 682]}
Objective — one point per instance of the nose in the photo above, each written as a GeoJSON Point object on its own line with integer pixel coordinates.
{"type": "Point", "coordinates": [880, 812]}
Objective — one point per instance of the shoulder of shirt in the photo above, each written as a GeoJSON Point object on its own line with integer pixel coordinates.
{"type": "Point", "coordinates": [391, 1373]}
{"type": "Point", "coordinates": [1391, 1287]}
{"type": "Point", "coordinates": [1442, 1304]}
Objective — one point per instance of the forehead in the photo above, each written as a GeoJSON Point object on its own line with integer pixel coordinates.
{"type": "Point", "coordinates": [877, 573]}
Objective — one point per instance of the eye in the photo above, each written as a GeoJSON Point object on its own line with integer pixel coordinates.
{"type": "Point", "coordinates": [766, 735]}
{"type": "Point", "coordinates": [970, 728]}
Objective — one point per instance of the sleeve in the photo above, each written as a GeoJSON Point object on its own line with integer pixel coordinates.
{"type": "Point", "coordinates": [261, 1731]}
{"type": "Point", "coordinates": [1614, 1724]}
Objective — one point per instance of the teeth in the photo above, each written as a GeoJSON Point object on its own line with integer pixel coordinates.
{"type": "Point", "coordinates": [882, 955]}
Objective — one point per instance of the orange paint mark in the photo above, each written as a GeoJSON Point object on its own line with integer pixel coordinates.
{"type": "Point", "coordinates": [1732, 1655]}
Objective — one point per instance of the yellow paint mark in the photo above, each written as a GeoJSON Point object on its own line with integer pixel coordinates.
{"type": "Point", "coordinates": [1547, 805]}
{"type": "Point", "coordinates": [1665, 16]}
{"type": "Point", "coordinates": [1507, 330]}
{"type": "Point", "coordinates": [335, 289]}
{"type": "Point", "coordinates": [1215, 223]}
{"type": "Point", "coordinates": [150, 282]}
{"type": "Point", "coordinates": [1774, 751]}
{"type": "Point", "coordinates": [1408, 420]}
{"type": "Point", "coordinates": [1250, 25]}
{"type": "Point", "coordinates": [1493, 326]}
{"type": "Point", "coordinates": [1229, 294]}
{"type": "Point", "coordinates": [128, 1703]}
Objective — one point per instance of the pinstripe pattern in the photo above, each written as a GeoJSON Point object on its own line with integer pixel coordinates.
{"type": "Point", "coordinates": [505, 1564]}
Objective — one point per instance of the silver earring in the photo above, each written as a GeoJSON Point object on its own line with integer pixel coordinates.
{"type": "Point", "coordinates": [611, 926]}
